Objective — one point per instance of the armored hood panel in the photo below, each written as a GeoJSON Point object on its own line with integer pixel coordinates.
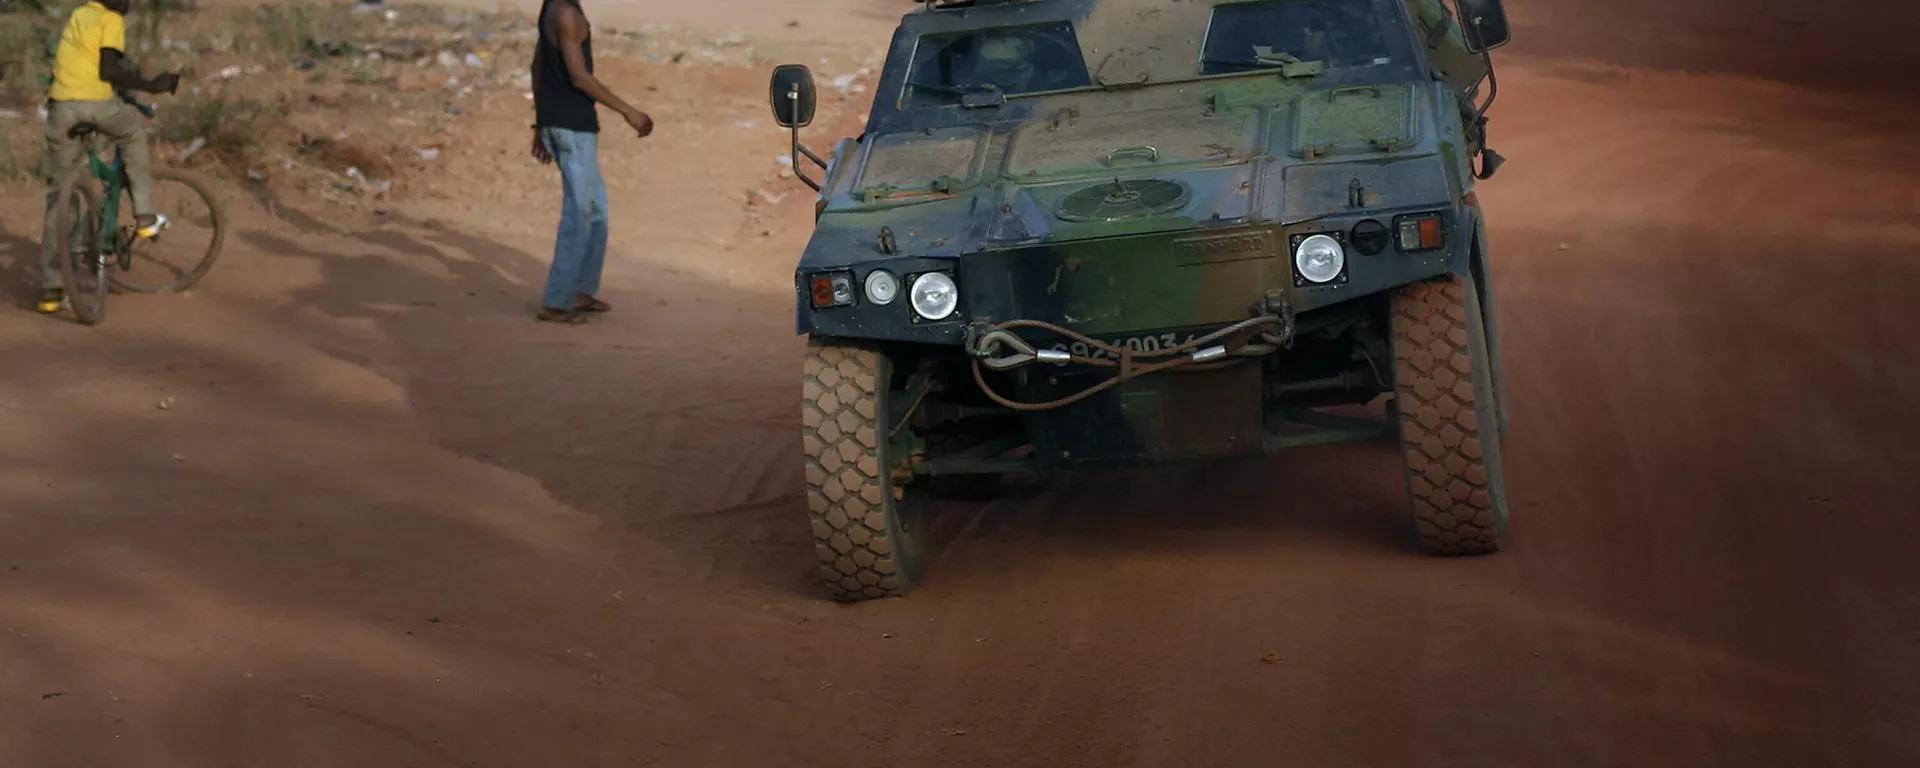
{"type": "Point", "coordinates": [1131, 140]}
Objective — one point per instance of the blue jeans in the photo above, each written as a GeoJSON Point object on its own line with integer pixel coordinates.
{"type": "Point", "coordinates": [580, 248]}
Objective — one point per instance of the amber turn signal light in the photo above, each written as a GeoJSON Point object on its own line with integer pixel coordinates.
{"type": "Point", "coordinates": [1423, 232]}
{"type": "Point", "coordinates": [831, 290]}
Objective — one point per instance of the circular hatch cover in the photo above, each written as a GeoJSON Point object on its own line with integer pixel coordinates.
{"type": "Point", "coordinates": [1123, 200]}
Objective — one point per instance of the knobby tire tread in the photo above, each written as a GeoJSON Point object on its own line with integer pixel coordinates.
{"type": "Point", "coordinates": [1448, 421]}
{"type": "Point", "coordinates": [861, 550]}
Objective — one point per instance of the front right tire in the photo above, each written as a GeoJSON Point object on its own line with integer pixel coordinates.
{"type": "Point", "coordinates": [1449, 418]}
{"type": "Point", "coordinates": [869, 533]}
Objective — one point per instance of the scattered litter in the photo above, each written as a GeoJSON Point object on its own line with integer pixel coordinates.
{"type": "Point", "coordinates": [367, 184]}
{"type": "Point", "coordinates": [164, 404]}
{"type": "Point", "coordinates": [178, 457]}
{"type": "Point", "coordinates": [846, 85]}
{"type": "Point", "coordinates": [198, 144]}
{"type": "Point", "coordinates": [447, 59]}
{"type": "Point", "coordinates": [747, 124]}
{"type": "Point", "coordinates": [474, 60]}
{"type": "Point", "coordinates": [429, 153]}
{"type": "Point", "coordinates": [54, 695]}
{"type": "Point", "coordinates": [256, 176]}
{"type": "Point", "coordinates": [11, 114]}
{"type": "Point", "coordinates": [229, 72]}
{"type": "Point", "coordinates": [305, 65]}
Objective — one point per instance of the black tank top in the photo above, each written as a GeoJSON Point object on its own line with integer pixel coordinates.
{"type": "Point", "coordinates": [556, 102]}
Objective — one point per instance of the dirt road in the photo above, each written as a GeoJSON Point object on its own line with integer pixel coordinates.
{"type": "Point", "coordinates": [386, 520]}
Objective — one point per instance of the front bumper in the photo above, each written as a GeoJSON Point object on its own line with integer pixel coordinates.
{"type": "Point", "coordinates": [1149, 288]}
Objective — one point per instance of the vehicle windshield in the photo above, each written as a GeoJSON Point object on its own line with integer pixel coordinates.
{"type": "Point", "coordinates": [1013, 60]}
{"type": "Point", "coordinates": [1335, 34]}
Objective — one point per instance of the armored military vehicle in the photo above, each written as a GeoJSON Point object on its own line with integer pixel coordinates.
{"type": "Point", "coordinates": [1093, 234]}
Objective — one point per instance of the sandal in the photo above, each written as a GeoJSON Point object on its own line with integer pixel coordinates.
{"type": "Point", "coordinates": [590, 304]}
{"type": "Point", "coordinates": [568, 317]}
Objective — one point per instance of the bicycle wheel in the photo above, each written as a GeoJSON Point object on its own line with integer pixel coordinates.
{"type": "Point", "coordinates": [77, 233]}
{"type": "Point", "coordinates": [182, 254]}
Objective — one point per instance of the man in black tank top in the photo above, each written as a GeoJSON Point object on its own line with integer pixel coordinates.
{"type": "Point", "coordinates": [566, 131]}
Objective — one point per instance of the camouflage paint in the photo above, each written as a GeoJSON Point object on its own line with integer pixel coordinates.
{"type": "Point", "coordinates": [1264, 159]}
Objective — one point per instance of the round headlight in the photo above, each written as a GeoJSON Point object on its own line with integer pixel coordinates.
{"type": "Point", "coordinates": [882, 286]}
{"type": "Point", "coordinates": [1320, 258]}
{"type": "Point", "coordinates": [934, 296]}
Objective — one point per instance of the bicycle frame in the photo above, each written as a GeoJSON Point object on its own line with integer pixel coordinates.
{"type": "Point", "coordinates": [114, 178]}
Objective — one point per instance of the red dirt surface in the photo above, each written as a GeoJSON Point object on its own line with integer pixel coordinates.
{"type": "Point", "coordinates": [386, 520]}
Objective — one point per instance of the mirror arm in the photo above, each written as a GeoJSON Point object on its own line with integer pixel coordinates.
{"type": "Point", "coordinates": [811, 156]}
{"type": "Point", "coordinates": [1492, 81]}
{"type": "Point", "coordinates": [793, 101]}
{"type": "Point", "coordinates": [1489, 160]}
{"type": "Point", "coordinates": [795, 158]}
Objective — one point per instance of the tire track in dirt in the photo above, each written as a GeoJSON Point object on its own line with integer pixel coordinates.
{"type": "Point", "coordinates": [1710, 474]}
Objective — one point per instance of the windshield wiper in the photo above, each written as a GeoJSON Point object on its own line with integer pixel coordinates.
{"type": "Point", "coordinates": [1289, 64]}
{"type": "Point", "coordinates": [971, 96]}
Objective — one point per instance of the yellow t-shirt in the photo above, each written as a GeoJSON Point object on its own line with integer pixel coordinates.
{"type": "Point", "coordinates": [76, 63]}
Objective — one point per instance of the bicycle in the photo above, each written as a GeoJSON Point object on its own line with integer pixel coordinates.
{"type": "Point", "coordinates": [89, 259]}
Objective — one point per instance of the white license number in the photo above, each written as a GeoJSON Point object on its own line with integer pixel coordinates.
{"type": "Point", "coordinates": [1135, 344]}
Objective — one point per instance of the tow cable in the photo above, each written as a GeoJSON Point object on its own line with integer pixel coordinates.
{"type": "Point", "coordinates": [1245, 339]}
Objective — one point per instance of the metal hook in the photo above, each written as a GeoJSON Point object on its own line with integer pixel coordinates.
{"type": "Point", "coordinates": [990, 345]}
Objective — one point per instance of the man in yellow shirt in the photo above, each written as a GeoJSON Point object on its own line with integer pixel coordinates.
{"type": "Point", "coordinates": [89, 66]}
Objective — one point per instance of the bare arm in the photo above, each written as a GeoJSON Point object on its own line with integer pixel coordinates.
{"type": "Point", "coordinates": [124, 76]}
{"type": "Point", "coordinates": [573, 31]}
{"type": "Point", "coordinates": [540, 152]}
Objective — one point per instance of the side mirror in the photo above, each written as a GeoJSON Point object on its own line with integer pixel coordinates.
{"type": "Point", "coordinates": [1484, 24]}
{"type": "Point", "coordinates": [792, 95]}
